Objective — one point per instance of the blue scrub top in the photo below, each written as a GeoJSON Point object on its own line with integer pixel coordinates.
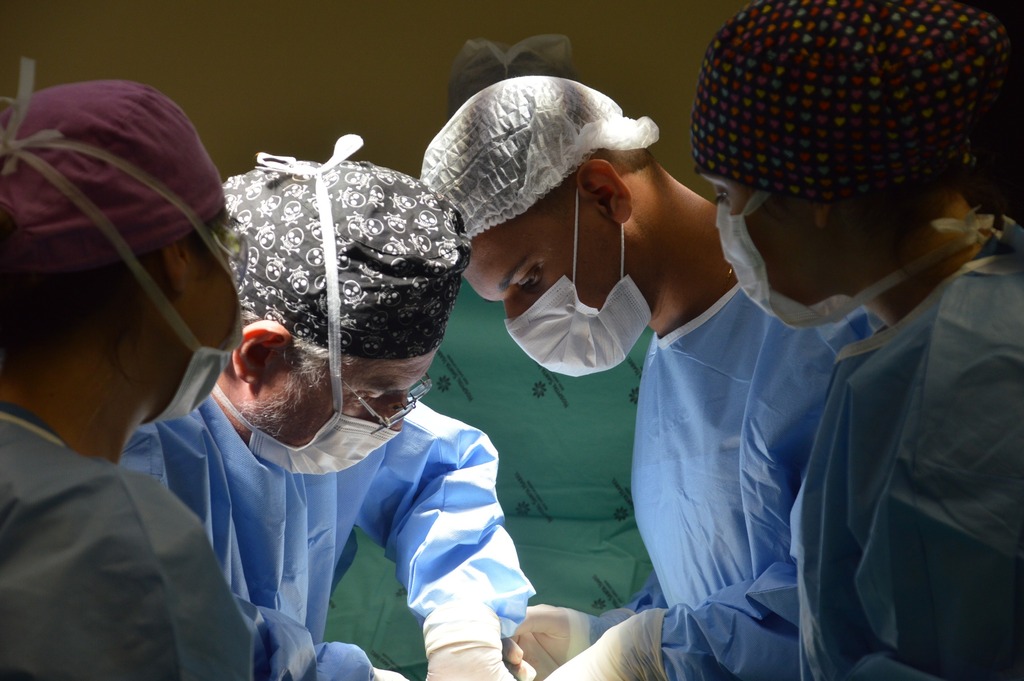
{"type": "Point", "coordinates": [103, 573]}
{"type": "Point", "coordinates": [912, 516]}
{"type": "Point", "coordinates": [728, 407]}
{"type": "Point", "coordinates": [285, 539]}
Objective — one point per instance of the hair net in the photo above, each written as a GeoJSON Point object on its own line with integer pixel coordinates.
{"type": "Point", "coordinates": [482, 62]}
{"type": "Point", "coordinates": [401, 250]}
{"type": "Point", "coordinates": [70, 128]}
{"type": "Point", "coordinates": [827, 100]}
{"type": "Point", "coordinates": [516, 140]}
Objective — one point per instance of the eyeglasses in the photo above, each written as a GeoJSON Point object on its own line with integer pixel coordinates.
{"type": "Point", "coordinates": [414, 395]}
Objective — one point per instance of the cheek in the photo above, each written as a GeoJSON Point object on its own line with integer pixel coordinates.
{"type": "Point", "coordinates": [220, 305]}
{"type": "Point", "coordinates": [779, 257]}
{"type": "Point", "coordinates": [354, 408]}
{"type": "Point", "coordinates": [517, 303]}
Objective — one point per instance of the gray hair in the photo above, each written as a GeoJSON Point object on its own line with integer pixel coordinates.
{"type": "Point", "coordinates": [308, 367]}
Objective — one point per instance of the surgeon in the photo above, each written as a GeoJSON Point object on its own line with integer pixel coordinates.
{"type": "Point", "coordinates": [315, 427]}
{"type": "Point", "coordinates": [911, 526]}
{"type": "Point", "coordinates": [117, 306]}
{"type": "Point", "coordinates": [586, 240]}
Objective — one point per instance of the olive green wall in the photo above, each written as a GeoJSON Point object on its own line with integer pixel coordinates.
{"type": "Point", "coordinates": [290, 77]}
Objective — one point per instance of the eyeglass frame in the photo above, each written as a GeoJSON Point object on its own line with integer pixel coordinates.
{"type": "Point", "coordinates": [415, 393]}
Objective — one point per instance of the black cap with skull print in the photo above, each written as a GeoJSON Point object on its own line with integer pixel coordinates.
{"type": "Point", "coordinates": [401, 252]}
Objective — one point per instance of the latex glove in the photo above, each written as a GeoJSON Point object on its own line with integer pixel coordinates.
{"type": "Point", "coordinates": [387, 675]}
{"type": "Point", "coordinates": [551, 636]}
{"type": "Point", "coordinates": [463, 643]}
{"type": "Point", "coordinates": [630, 651]}
{"type": "Point", "coordinates": [514, 662]}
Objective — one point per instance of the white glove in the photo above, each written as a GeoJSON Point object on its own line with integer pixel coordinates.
{"type": "Point", "coordinates": [387, 675]}
{"type": "Point", "coordinates": [630, 651]}
{"type": "Point", "coordinates": [514, 661]}
{"type": "Point", "coordinates": [551, 636]}
{"type": "Point", "coordinates": [463, 643]}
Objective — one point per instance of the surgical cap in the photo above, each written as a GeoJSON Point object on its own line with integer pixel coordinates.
{"type": "Point", "coordinates": [828, 100]}
{"type": "Point", "coordinates": [482, 62]}
{"type": "Point", "coordinates": [516, 140]}
{"type": "Point", "coordinates": [131, 121]}
{"type": "Point", "coordinates": [401, 251]}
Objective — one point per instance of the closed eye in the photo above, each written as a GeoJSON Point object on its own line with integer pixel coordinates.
{"type": "Point", "coordinates": [530, 280]}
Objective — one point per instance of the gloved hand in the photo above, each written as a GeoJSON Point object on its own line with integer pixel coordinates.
{"type": "Point", "coordinates": [629, 651]}
{"type": "Point", "coordinates": [551, 636]}
{"type": "Point", "coordinates": [387, 675]}
{"type": "Point", "coordinates": [463, 643]}
{"type": "Point", "coordinates": [514, 662]}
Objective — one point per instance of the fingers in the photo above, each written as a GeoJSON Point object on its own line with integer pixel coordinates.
{"type": "Point", "coordinates": [545, 619]}
{"type": "Point", "coordinates": [511, 652]}
{"type": "Point", "coordinates": [537, 656]}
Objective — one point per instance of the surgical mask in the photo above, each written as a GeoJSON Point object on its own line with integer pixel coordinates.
{"type": "Point", "coordinates": [565, 336]}
{"type": "Point", "coordinates": [204, 367]}
{"type": "Point", "coordinates": [340, 443]}
{"type": "Point", "coordinates": [752, 274]}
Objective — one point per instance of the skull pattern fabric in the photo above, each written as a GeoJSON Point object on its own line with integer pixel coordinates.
{"type": "Point", "coordinates": [401, 252]}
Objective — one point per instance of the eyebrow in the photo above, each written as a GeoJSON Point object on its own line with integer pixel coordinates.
{"type": "Point", "coordinates": [507, 281]}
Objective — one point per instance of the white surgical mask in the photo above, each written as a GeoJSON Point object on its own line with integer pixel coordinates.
{"type": "Point", "coordinates": [565, 336]}
{"type": "Point", "coordinates": [340, 443]}
{"type": "Point", "coordinates": [752, 274]}
{"type": "Point", "coordinates": [204, 367]}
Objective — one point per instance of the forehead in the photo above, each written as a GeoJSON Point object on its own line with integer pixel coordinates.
{"type": "Point", "coordinates": [385, 375]}
{"type": "Point", "coordinates": [501, 250]}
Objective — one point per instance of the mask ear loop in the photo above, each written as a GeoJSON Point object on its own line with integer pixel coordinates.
{"type": "Point", "coordinates": [755, 201]}
{"type": "Point", "coordinates": [575, 235]}
{"type": "Point", "coordinates": [343, 148]}
{"type": "Point", "coordinates": [622, 251]}
{"type": "Point", "coordinates": [576, 239]}
{"type": "Point", "coordinates": [18, 150]}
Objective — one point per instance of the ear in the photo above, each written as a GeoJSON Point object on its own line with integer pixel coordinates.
{"type": "Point", "coordinates": [600, 181]}
{"type": "Point", "coordinates": [260, 351]}
{"type": "Point", "coordinates": [821, 214]}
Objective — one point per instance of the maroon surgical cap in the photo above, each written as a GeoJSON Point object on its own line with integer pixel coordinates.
{"type": "Point", "coordinates": [131, 121]}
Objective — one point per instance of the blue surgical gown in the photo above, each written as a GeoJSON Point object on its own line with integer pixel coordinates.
{"type": "Point", "coordinates": [725, 421]}
{"type": "Point", "coordinates": [103, 573]}
{"type": "Point", "coordinates": [912, 516]}
{"type": "Point", "coordinates": [285, 539]}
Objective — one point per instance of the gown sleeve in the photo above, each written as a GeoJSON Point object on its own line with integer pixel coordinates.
{"type": "Point", "coordinates": [434, 508]}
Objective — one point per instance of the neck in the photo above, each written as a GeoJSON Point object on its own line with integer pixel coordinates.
{"type": "Point", "coordinates": [94, 385]}
{"type": "Point", "coordinates": [893, 305]}
{"type": "Point", "coordinates": [675, 256]}
{"type": "Point", "coordinates": [91, 405]}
